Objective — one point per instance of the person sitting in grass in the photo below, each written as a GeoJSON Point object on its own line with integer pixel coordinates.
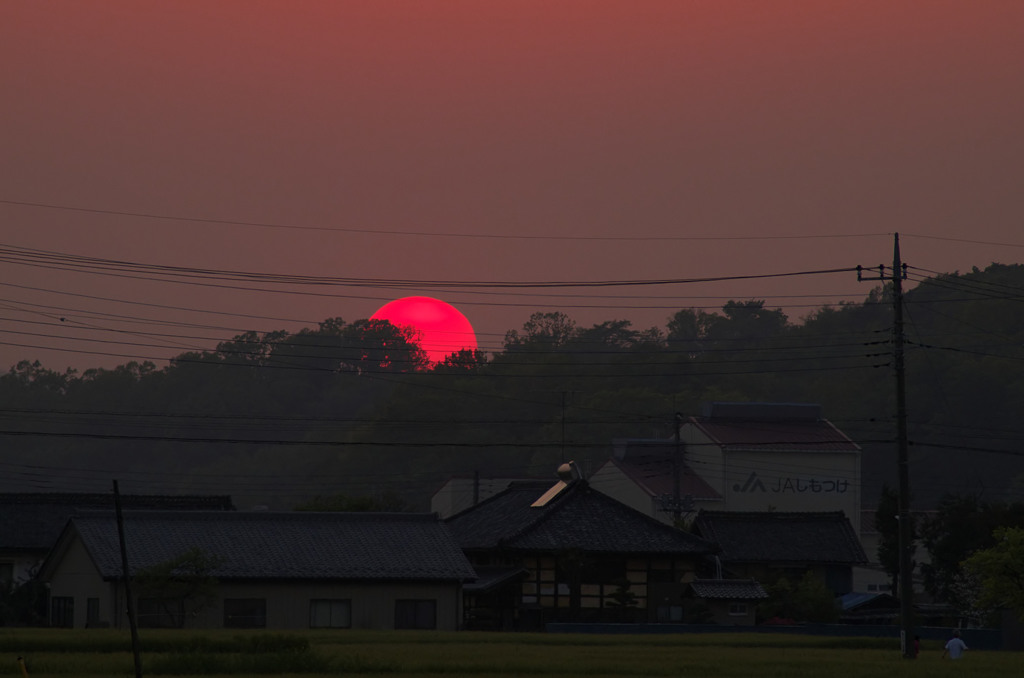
{"type": "Point", "coordinates": [955, 647]}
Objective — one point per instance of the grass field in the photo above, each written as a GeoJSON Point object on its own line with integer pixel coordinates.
{"type": "Point", "coordinates": [218, 654]}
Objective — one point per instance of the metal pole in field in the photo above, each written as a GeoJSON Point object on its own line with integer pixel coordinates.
{"type": "Point", "coordinates": [127, 584]}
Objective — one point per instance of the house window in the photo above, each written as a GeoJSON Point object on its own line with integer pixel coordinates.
{"type": "Point", "coordinates": [92, 612]}
{"type": "Point", "coordinates": [603, 571]}
{"type": "Point", "coordinates": [415, 614]}
{"type": "Point", "coordinates": [330, 614]}
{"type": "Point", "coordinates": [737, 609]}
{"type": "Point", "coordinates": [62, 612]}
{"type": "Point", "coordinates": [245, 613]}
{"type": "Point", "coordinates": [669, 613]}
{"type": "Point", "coordinates": [161, 613]}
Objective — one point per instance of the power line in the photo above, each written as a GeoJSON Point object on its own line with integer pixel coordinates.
{"type": "Point", "coordinates": [965, 240]}
{"type": "Point", "coordinates": [62, 261]}
{"type": "Point", "coordinates": [378, 231]}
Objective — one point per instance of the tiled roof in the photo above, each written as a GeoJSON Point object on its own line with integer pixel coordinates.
{"type": "Point", "coordinates": [728, 589]}
{"type": "Point", "coordinates": [771, 426]}
{"type": "Point", "coordinates": [296, 545]}
{"type": "Point", "coordinates": [650, 465]}
{"type": "Point", "coordinates": [780, 537]}
{"type": "Point", "coordinates": [489, 578]}
{"type": "Point", "coordinates": [33, 521]}
{"type": "Point", "coordinates": [776, 435]}
{"type": "Point", "coordinates": [854, 601]}
{"type": "Point", "coordinates": [578, 518]}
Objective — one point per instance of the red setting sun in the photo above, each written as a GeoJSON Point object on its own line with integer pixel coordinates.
{"type": "Point", "coordinates": [443, 329]}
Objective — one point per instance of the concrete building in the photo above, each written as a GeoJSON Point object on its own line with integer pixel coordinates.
{"type": "Point", "coordinates": [741, 457]}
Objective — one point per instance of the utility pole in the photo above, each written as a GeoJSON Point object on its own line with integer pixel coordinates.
{"type": "Point", "coordinates": [906, 527]}
{"type": "Point", "coordinates": [906, 536]}
{"type": "Point", "coordinates": [676, 502]}
{"type": "Point", "coordinates": [677, 471]}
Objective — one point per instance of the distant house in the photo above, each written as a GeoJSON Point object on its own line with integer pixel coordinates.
{"type": "Point", "coordinates": [569, 553]}
{"type": "Point", "coordinates": [31, 522]}
{"type": "Point", "coordinates": [271, 570]}
{"type": "Point", "coordinates": [869, 608]}
{"type": "Point", "coordinates": [765, 545]}
{"type": "Point", "coordinates": [641, 473]}
{"type": "Point", "coordinates": [730, 602]}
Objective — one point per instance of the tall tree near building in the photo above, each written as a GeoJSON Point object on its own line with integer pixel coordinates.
{"type": "Point", "coordinates": [1000, 569]}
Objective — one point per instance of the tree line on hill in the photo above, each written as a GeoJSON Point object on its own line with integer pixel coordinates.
{"type": "Point", "coordinates": [355, 409]}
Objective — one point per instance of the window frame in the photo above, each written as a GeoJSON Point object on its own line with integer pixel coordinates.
{"type": "Point", "coordinates": [738, 609]}
{"type": "Point", "coordinates": [62, 612]}
{"type": "Point", "coordinates": [332, 604]}
{"type": "Point", "coordinates": [234, 620]}
{"type": "Point", "coordinates": [421, 609]}
{"type": "Point", "coordinates": [153, 612]}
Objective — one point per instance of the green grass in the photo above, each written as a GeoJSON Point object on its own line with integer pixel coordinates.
{"type": "Point", "coordinates": [355, 654]}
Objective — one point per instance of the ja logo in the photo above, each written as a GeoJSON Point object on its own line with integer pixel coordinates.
{"type": "Point", "coordinates": [753, 484]}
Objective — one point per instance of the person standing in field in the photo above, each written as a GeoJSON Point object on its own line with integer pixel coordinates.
{"type": "Point", "coordinates": [955, 647]}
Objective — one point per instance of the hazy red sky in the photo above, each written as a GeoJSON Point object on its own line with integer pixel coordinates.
{"type": "Point", "coordinates": [420, 135]}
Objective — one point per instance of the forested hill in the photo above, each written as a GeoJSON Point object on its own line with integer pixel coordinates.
{"type": "Point", "coordinates": [351, 408]}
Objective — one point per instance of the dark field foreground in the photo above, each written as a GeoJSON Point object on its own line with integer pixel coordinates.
{"type": "Point", "coordinates": [94, 653]}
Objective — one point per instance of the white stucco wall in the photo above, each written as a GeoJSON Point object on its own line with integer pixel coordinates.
{"type": "Point", "coordinates": [794, 481]}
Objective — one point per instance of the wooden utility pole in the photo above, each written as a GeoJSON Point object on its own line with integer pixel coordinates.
{"type": "Point", "coordinates": [906, 526]}
{"type": "Point", "coordinates": [677, 471]}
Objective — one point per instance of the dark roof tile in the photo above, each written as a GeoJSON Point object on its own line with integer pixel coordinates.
{"type": "Point", "coordinates": [33, 521]}
{"type": "Point", "coordinates": [297, 545]}
{"type": "Point", "coordinates": [578, 518]}
{"type": "Point", "coordinates": [781, 537]}
{"type": "Point", "coordinates": [728, 589]}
